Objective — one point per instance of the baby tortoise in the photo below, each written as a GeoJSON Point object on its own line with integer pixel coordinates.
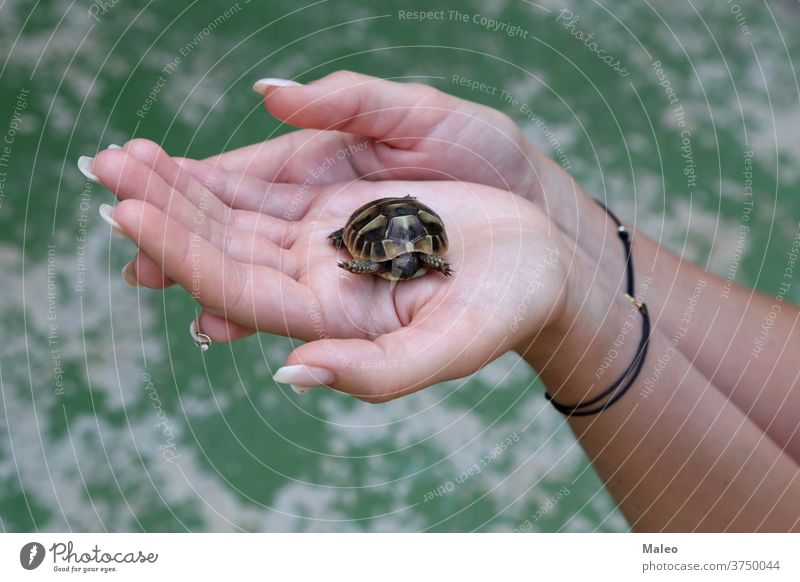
{"type": "Point", "coordinates": [394, 238]}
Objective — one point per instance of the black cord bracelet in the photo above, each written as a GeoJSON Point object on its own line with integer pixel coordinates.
{"type": "Point", "coordinates": [618, 389]}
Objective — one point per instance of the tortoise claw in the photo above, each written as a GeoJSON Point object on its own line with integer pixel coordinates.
{"type": "Point", "coordinates": [335, 238]}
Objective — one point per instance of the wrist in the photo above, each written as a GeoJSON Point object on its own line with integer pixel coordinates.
{"type": "Point", "coordinates": [594, 339]}
{"type": "Point", "coordinates": [577, 215]}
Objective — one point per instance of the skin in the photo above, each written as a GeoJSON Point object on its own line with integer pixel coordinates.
{"type": "Point", "coordinates": [713, 447]}
{"type": "Point", "coordinates": [279, 276]}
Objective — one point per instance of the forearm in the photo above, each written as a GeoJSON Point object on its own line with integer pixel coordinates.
{"type": "Point", "coordinates": [677, 455]}
{"type": "Point", "coordinates": [743, 341]}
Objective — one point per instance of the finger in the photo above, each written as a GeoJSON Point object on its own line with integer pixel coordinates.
{"type": "Point", "coordinates": [264, 160]}
{"type": "Point", "coordinates": [281, 232]}
{"type": "Point", "coordinates": [443, 346]}
{"type": "Point", "coordinates": [363, 105]}
{"type": "Point", "coordinates": [286, 158]}
{"type": "Point", "coordinates": [152, 156]}
{"type": "Point", "coordinates": [129, 178]}
{"type": "Point", "coordinates": [142, 272]}
{"type": "Point", "coordinates": [251, 295]}
{"type": "Point", "coordinates": [222, 330]}
{"type": "Point", "coordinates": [245, 247]}
{"type": "Point", "coordinates": [242, 191]}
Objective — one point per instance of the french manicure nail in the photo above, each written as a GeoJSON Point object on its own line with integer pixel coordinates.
{"type": "Point", "coordinates": [128, 275]}
{"type": "Point", "coordinates": [85, 166]}
{"type": "Point", "coordinates": [113, 146]}
{"type": "Point", "coordinates": [302, 378]}
{"type": "Point", "coordinates": [262, 85]}
{"type": "Point", "coordinates": [106, 213]}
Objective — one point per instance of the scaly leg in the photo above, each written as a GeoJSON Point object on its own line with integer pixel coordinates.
{"type": "Point", "coordinates": [361, 267]}
{"type": "Point", "coordinates": [436, 263]}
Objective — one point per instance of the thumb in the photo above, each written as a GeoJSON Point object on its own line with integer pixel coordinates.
{"type": "Point", "coordinates": [394, 364]}
{"type": "Point", "coordinates": [363, 105]}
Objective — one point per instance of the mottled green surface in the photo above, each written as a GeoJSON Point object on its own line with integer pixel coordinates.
{"type": "Point", "coordinates": [252, 455]}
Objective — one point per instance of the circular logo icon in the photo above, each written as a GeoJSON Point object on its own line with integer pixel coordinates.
{"type": "Point", "coordinates": [31, 555]}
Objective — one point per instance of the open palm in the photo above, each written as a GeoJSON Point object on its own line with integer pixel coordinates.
{"type": "Point", "coordinates": [255, 255]}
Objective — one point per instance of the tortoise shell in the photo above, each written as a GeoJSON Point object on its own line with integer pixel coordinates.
{"type": "Point", "coordinates": [384, 229]}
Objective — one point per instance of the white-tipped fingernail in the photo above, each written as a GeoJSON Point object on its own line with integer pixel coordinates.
{"type": "Point", "coordinates": [113, 146]}
{"type": "Point", "coordinates": [303, 378]}
{"type": "Point", "coordinates": [106, 213]}
{"type": "Point", "coordinates": [262, 85]}
{"type": "Point", "coordinates": [85, 166]}
{"type": "Point", "coordinates": [201, 340]}
{"type": "Point", "coordinates": [128, 275]}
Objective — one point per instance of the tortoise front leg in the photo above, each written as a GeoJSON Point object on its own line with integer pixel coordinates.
{"type": "Point", "coordinates": [335, 238]}
{"type": "Point", "coordinates": [360, 267]}
{"type": "Point", "coordinates": [436, 263]}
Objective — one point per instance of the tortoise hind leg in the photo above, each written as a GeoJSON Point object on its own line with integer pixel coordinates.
{"type": "Point", "coordinates": [335, 238]}
{"type": "Point", "coordinates": [360, 267]}
{"type": "Point", "coordinates": [436, 263]}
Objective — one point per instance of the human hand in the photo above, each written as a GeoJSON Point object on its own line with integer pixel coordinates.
{"type": "Point", "coordinates": [256, 256]}
{"type": "Point", "coordinates": [374, 129]}
{"type": "Point", "coordinates": [390, 131]}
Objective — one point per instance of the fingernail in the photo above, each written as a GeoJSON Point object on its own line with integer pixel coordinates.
{"type": "Point", "coordinates": [262, 85]}
{"type": "Point", "coordinates": [85, 166]}
{"type": "Point", "coordinates": [113, 146]}
{"type": "Point", "coordinates": [128, 274]}
{"type": "Point", "coordinates": [201, 340]}
{"type": "Point", "coordinates": [106, 213]}
{"type": "Point", "coordinates": [303, 378]}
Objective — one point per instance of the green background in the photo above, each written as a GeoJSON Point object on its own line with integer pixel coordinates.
{"type": "Point", "coordinates": [252, 455]}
